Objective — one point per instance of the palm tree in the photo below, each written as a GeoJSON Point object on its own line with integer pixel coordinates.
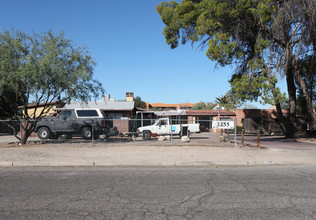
{"type": "Point", "coordinates": [226, 101]}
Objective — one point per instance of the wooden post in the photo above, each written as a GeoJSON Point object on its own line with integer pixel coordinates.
{"type": "Point", "coordinates": [258, 139]}
{"type": "Point", "coordinates": [242, 137]}
{"type": "Point", "coordinates": [92, 136]}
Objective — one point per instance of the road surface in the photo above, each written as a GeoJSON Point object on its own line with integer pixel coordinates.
{"type": "Point", "coordinates": [274, 192]}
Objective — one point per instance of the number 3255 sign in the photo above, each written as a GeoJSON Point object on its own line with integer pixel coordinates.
{"type": "Point", "coordinates": [223, 125]}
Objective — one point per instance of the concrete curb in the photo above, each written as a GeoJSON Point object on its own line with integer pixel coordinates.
{"type": "Point", "coordinates": [184, 165]}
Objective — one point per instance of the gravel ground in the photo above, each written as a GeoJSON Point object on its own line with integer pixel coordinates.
{"type": "Point", "coordinates": [203, 150]}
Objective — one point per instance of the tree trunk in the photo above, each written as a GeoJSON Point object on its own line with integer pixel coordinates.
{"type": "Point", "coordinates": [288, 124]}
{"type": "Point", "coordinates": [24, 138]}
{"type": "Point", "coordinates": [285, 123]}
{"type": "Point", "coordinates": [288, 128]}
{"type": "Point", "coordinates": [306, 94]}
{"type": "Point", "coordinates": [27, 127]}
{"type": "Point", "coordinates": [291, 88]}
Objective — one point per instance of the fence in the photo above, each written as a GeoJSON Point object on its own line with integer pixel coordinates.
{"type": "Point", "coordinates": [268, 125]}
{"type": "Point", "coordinates": [128, 127]}
{"type": "Point", "coordinates": [9, 126]}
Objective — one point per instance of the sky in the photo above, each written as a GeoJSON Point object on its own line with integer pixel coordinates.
{"type": "Point", "coordinates": [126, 41]}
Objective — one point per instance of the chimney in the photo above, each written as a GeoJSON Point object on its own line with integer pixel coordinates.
{"type": "Point", "coordinates": [106, 98]}
{"type": "Point", "coordinates": [129, 96]}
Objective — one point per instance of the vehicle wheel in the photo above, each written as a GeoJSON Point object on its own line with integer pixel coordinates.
{"type": "Point", "coordinates": [86, 133]}
{"type": "Point", "coordinates": [65, 136]}
{"type": "Point", "coordinates": [44, 133]}
{"type": "Point", "coordinates": [103, 136]}
{"type": "Point", "coordinates": [146, 135]}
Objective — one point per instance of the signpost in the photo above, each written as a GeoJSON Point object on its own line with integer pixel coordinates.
{"type": "Point", "coordinates": [226, 125]}
{"type": "Point", "coordinates": [223, 124]}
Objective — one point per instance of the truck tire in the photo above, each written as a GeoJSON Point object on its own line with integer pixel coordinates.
{"type": "Point", "coordinates": [86, 133]}
{"type": "Point", "coordinates": [65, 136]}
{"type": "Point", "coordinates": [103, 136]}
{"type": "Point", "coordinates": [146, 135]}
{"type": "Point", "coordinates": [44, 133]}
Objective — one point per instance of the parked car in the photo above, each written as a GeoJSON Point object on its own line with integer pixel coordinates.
{"type": "Point", "coordinates": [84, 122]}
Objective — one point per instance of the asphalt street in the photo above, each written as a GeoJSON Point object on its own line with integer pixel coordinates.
{"type": "Point", "coordinates": [274, 192]}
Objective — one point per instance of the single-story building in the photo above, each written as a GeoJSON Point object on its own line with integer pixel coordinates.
{"type": "Point", "coordinates": [34, 110]}
{"type": "Point", "coordinates": [170, 107]}
{"type": "Point", "coordinates": [205, 117]}
{"type": "Point", "coordinates": [264, 120]}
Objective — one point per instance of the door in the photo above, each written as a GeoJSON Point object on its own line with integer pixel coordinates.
{"type": "Point", "coordinates": [64, 122]}
{"type": "Point", "coordinates": [163, 127]}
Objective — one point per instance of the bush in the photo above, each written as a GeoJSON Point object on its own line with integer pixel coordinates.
{"type": "Point", "coordinates": [239, 129]}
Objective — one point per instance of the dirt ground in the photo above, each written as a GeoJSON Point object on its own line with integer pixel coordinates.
{"type": "Point", "coordinates": [198, 139]}
{"type": "Point", "coordinates": [307, 139]}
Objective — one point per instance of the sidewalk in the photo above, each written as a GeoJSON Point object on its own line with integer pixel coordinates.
{"type": "Point", "coordinates": [149, 156]}
{"type": "Point", "coordinates": [150, 153]}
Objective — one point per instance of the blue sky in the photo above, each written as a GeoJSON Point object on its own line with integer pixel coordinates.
{"type": "Point", "coordinates": [125, 39]}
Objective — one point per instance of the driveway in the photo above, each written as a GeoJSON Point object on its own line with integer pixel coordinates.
{"type": "Point", "coordinates": [279, 142]}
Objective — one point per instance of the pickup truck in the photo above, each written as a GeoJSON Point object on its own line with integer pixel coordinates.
{"type": "Point", "coordinates": [163, 127]}
{"type": "Point", "coordinates": [73, 122]}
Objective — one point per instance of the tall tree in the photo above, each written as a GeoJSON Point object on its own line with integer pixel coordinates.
{"type": "Point", "coordinates": [139, 103]}
{"type": "Point", "coordinates": [265, 39]}
{"type": "Point", "coordinates": [227, 101]}
{"type": "Point", "coordinates": [42, 69]}
{"type": "Point", "coordinates": [203, 106]}
{"type": "Point", "coordinates": [13, 50]}
{"type": "Point", "coordinates": [308, 71]}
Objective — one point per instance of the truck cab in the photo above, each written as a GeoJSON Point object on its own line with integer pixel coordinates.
{"type": "Point", "coordinates": [163, 127]}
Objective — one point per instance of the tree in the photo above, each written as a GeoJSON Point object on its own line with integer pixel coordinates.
{"type": "Point", "coordinates": [249, 106]}
{"type": "Point", "coordinates": [227, 101]}
{"type": "Point", "coordinates": [139, 103]}
{"type": "Point", "coordinates": [42, 69]}
{"type": "Point", "coordinates": [203, 106]}
{"type": "Point", "coordinates": [308, 70]}
{"type": "Point", "coordinates": [264, 39]}
{"type": "Point", "coordinates": [12, 51]}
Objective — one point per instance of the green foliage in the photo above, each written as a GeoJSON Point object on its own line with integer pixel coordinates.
{"type": "Point", "coordinates": [250, 88]}
{"type": "Point", "coordinates": [238, 129]}
{"type": "Point", "coordinates": [12, 89]}
{"type": "Point", "coordinates": [45, 68]}
{"type": "Point", "coordinates": [263, 38]}
{"type": "Point", "coordinates": [203, 106]}
{"type": "Point", "coordinates": [42, 69]}
{"type": "Point", "coordinates": [228, 101]}
{"type": "Point", "coordinates": [139, 103]}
